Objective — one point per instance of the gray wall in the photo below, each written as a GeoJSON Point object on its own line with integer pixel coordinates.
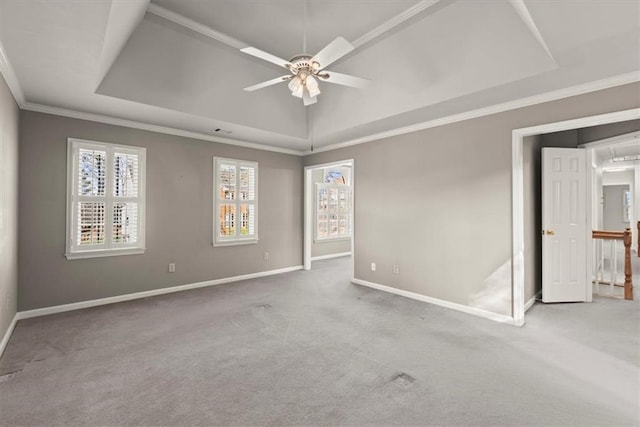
{"type": "Point", "coordinates": [533, 203]}
{"type": "Point", "coordinates": [445, 212]}
{"type": "Point", "coordinates": [9, 124]}
{"type": "Point", "coordinates": [330, 247]}
{"type": "Point", "coordinates": [613, 213]}
{"type": "Point", "coordinates": [532, 216]}
{"type": "Point", "coordinates": [595, 133]}
{"type": "Point", "coordinates": [178, 215]}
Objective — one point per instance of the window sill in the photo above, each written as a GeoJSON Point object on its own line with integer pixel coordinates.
{"type": "Point", "coordinates": [332, 239]}
{"type": "Point", "coordinates": [236, 242]}
{"type": "Point", "coordinates": [104, 253]}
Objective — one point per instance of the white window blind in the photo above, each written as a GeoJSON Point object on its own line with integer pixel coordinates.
{"type": "Point", "coordinates": [105, 199]}
{"type": "Point", "coordinates": [235, 219]}
{"type": "Point", "coordinates": [333, 211]}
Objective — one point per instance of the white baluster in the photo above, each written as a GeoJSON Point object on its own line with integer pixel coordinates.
{"type": "Point", "coordinates": [601, 269]}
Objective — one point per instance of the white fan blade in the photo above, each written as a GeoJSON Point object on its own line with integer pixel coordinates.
{"type": "Point", "coordinates": [308, 99]}
{"type": "Point", "coordinates": [268, 83]}
{"type": "Point", "coordinates": [266, 56]}
{"type": "Point", "coordinates": [332, 52]}
{"type": "Point", "coordinates": [344, 79]}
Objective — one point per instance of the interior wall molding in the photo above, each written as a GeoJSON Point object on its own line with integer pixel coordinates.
{"type": "Point", "coordinates": [447, 304]}
{"type": "Point", "coordinates": [40, 108]}
{"type": "Point", "coordinates": [7, 334]}
{"type": "Point", "coordinates": [486, 111]}
{"type": "Point", "coordinates": [330, 256]}
{"type": "Point", "coordinates": [146, 294]}
{"type": "Point", "coordinates": [532, 301]}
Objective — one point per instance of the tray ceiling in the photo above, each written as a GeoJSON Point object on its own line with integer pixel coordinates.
{"type": "Point", "coordinates": [177, 63]}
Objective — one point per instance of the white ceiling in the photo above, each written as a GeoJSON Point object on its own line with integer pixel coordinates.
{"type": "Point", "coordinates": [177, 64]}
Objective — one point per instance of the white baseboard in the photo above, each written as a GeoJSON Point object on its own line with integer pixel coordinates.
{"type": "Point", "coordinates": [338, 255]}
{"type": "Point", "coordinates": [127, 297]}
{"type": "Point", "coordinates": [452, 305]}
{"type": "Point", "coordinates": [529, 304]}
{"type": "Point", "coordinates": [7, 335]}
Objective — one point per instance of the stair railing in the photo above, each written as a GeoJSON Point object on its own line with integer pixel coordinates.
{"type": "Point", "coordinates": [613, 237]}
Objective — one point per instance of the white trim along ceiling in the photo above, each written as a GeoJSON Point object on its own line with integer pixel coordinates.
{"type": "Point", "coordinates": [140, 59]}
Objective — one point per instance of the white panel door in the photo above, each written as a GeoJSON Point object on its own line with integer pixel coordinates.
{"type": "Point", "coordinates": [564, 225]}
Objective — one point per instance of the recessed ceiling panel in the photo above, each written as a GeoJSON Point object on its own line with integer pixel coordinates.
{"type": "Point", "coordinates": [53, 43]}
{"type": "Point", "coordinates": [277, 26]}
{"type": "Point", "coordinates": [169, 66]}
{"type": "Point", "coordinates": [465, 48]}
{"type": "Point", "coordinates": [569, 24]}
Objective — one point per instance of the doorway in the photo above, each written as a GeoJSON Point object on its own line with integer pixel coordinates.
{"type": "Point", "coordinates": [616, 207]}
{"type": "Point", "coordinates": [329, 190]}
{"type": "Point", "coordinates": [520, 269]}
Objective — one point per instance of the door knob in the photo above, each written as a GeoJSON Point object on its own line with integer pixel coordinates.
{"type": "Point", "coordinates": [550, 233]}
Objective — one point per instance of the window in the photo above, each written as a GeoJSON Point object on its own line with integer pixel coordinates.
{"type": "Point", "coordinates": [626, 206]}
{"type": "Point", "coordinates": [235, 219]}
{"type": "Point", "coordinates": [105, 199]}
{"type": "Point", "coordinates": [333, 211]}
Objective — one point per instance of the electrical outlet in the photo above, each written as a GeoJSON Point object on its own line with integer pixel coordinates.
{"type": "Point", "coordinates": [172, 267]}
{"type": "Point", "coordinates": [396, 269]}
{"type": "Point", "coordinates": [266, 256]}
{"type": "Point", "coordinates": [373, 266]}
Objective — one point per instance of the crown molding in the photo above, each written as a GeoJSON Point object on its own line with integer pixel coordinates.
{"type": "Point", "coordinates": [40, 108]}
{"type": "Point", "coordinates": [195, 26]}
{"type": "Point", "coordinates": [494, 109]}
{"type": "Point", "coordinates": [486, 111]}
{"type": "Point", "coordinates": [8, 72]}
{"type": "Point", "coordinates": [10, 77]}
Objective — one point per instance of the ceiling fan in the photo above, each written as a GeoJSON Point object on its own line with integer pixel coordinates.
{"type": "Point", "coordinates": [306, 70]}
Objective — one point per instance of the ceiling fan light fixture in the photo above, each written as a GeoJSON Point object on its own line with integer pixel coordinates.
{"type": "Point", "coordinates": [296, 87]}
{"type": "Point", "coordinates": [298, 92]}
{"type": "Point", "coordinates": [312, 86]}
{"type": "Point", "coordinates": [308, 71]}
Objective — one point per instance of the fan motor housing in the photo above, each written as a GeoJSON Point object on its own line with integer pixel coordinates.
{"type": "Point", "coordinates": [303, 63]}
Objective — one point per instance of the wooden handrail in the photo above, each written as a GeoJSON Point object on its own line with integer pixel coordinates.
{"type": "Point", "coordinates": [609, 235]}
{"type": "Point", "coordinates": [625, 236]}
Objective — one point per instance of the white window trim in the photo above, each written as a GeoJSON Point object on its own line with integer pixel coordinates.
{"type": "Point", "coordinates": [71, 253]}
{"type": "Point", "coordinates": [236, 240]}
{"type": "Point", "coordinates": [348, 211]}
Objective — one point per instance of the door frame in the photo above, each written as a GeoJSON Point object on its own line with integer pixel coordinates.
{"type": "Point", "coordinates": [517, 185]}
{"type": "Point", "coordinates": [309, 210]}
